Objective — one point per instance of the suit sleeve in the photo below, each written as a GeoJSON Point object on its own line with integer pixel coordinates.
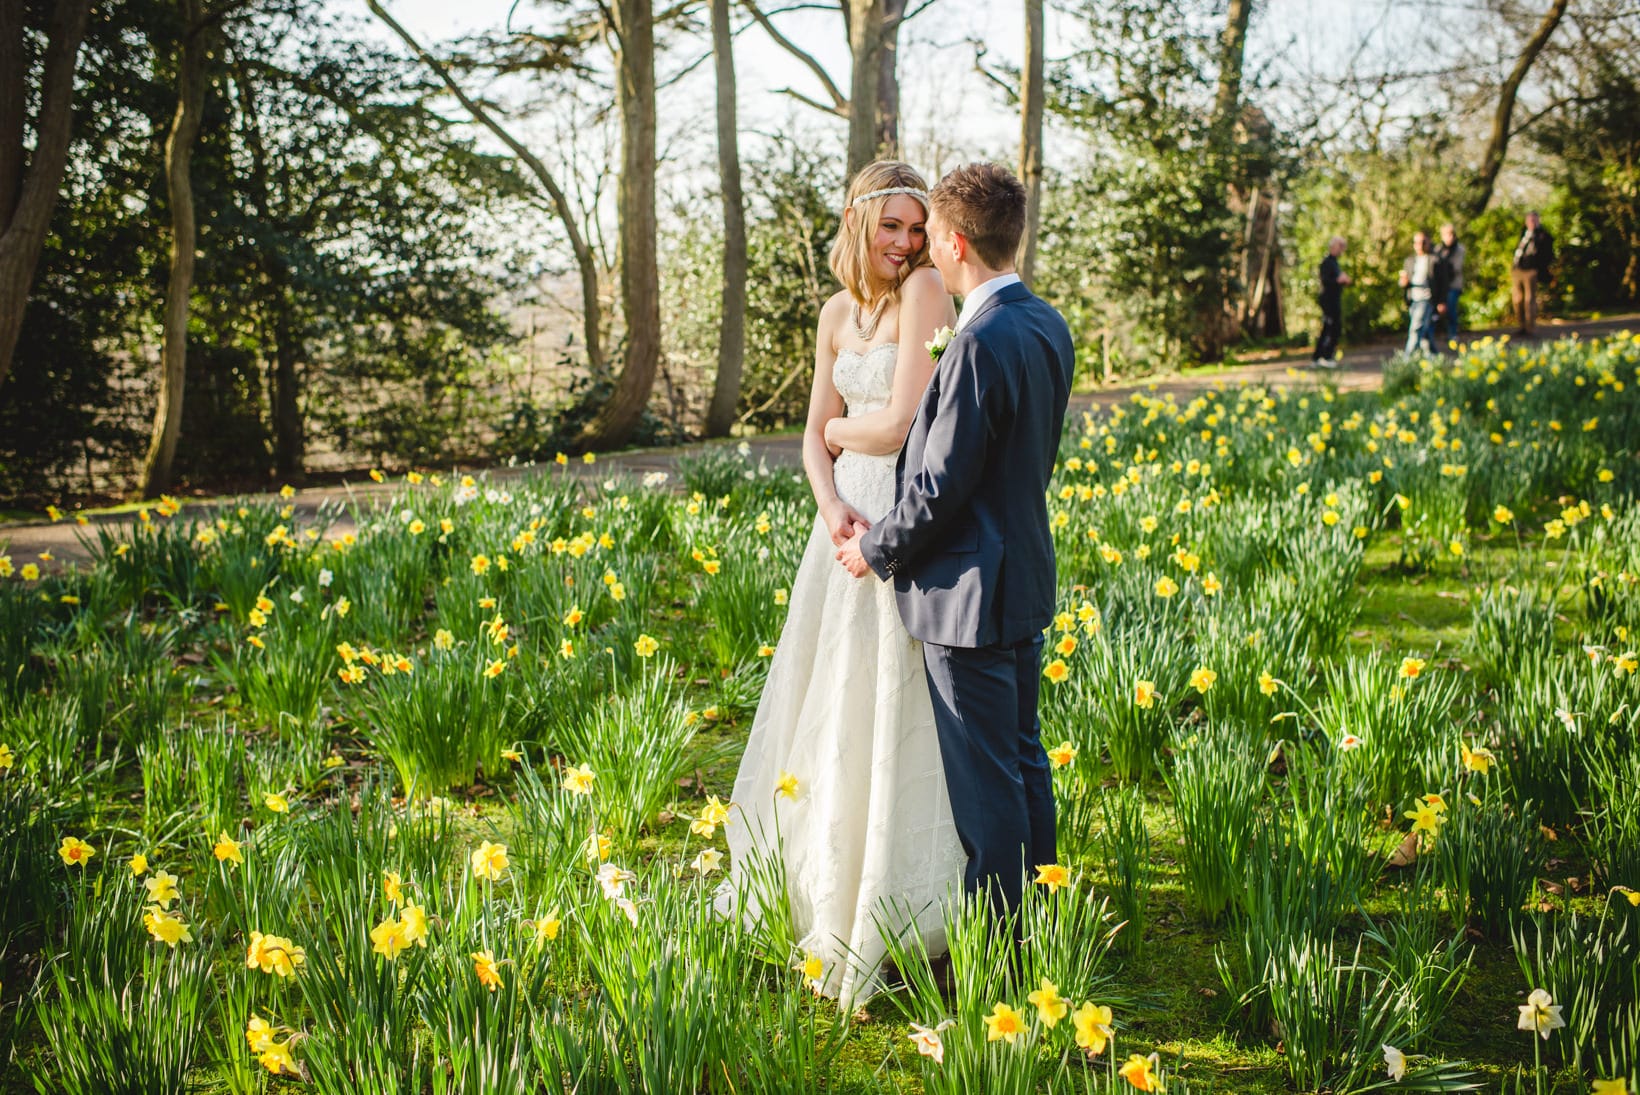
{"type": "Point", "coordinates": [959, 439]}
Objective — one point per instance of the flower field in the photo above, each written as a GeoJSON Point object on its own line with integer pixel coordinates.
{"type": "Point", "coordinates": [1341, 705]}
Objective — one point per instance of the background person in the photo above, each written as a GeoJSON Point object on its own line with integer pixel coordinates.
{"type": "Point", "coordinates": [1534, 257]}
{"type": "Point", "coordinates": [1451, 252]}
{"type": "Point", "coordinates": [1331, 298]}
{"type": "Point", "coordinates": [1420, 277]}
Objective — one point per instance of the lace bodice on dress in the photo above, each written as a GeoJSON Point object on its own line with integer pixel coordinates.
{"type": "Point", "coordinates": [865, 381]}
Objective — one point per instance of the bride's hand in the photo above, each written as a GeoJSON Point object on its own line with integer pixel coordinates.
{"type": "Point", "coordinates": [843, 521]}
{"type": "Point", "coordinates": [832, 446]}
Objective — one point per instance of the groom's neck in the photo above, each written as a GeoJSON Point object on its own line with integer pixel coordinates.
{"type": "Point", "coordinates": [975, 275]}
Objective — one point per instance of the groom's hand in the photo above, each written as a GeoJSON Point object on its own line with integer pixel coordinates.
{"type": "Point", "coordinates": [843, 521]}
{"type": "Point", "coordinates": [849, 555]}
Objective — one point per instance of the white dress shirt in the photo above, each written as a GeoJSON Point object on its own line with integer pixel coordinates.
{"type": "Point", "coordinates": [972, 303]}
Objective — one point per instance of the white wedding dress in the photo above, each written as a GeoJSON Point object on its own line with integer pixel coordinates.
{"type": "Point", "coordinates": [846, 711]}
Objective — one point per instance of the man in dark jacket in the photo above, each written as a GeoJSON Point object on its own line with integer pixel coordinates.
{"type": "Point", "coordinates": [1534, 258]}
{"type": "Point", "coordinates": [1331, 298]}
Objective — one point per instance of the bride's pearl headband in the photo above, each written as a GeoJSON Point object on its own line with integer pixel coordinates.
{"type": "Point", "coordinates": [920, 195]}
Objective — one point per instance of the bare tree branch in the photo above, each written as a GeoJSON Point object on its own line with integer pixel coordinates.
{"type": "Point", "coordinates": [838, 99]}
{"type": "Point", "coordinates": [583, 254]}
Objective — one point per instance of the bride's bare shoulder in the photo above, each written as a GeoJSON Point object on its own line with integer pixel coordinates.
{"type": "Point", "coordinates": [833, 314]}
{"type": "Point", "coordinates": [923, 282]}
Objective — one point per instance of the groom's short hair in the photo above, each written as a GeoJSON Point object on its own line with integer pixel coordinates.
{"type": "Point", "coordinates": [986, 205]}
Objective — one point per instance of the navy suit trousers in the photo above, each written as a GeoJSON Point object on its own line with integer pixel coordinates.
{"type": "Point", "coordinates": [995, 767]}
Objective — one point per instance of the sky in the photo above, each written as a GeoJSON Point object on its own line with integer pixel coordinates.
{"type": "Point", "coordinates": [949, 110]}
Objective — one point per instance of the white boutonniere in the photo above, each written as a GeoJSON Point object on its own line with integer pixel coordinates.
{"type": "Point", "coordinates": [936, 345]}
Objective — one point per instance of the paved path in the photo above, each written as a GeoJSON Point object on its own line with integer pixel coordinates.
{"type": "Point", "coordinates": [1361, 369]}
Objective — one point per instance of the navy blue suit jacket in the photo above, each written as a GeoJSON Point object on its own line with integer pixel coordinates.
{"type": "Point", "coordinates": [967, 543]}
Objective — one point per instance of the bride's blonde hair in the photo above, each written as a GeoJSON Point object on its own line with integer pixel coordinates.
{"type": "Point", "coordinates": [868, 192]}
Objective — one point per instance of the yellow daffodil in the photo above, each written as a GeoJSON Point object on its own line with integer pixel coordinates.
{"type": "Point", "coordinates": [578, 780]}
{"type": "Point", "coordinates": [139, 865]}
{"type": "Point", "coordinates": [1478, 760]}
{"type": "Point", "coordinates": [1057, 671]}
{"type": "Point", "coordinates": [1268, 684]}
{"type": "Point", "coordinates": [1140, 1071]}
{"type": "Point", "coordinates": [1093, 1027]}
{"type": "Point", "coordinates": [813, 971]}
{"type": "Point", "coordinates": [1202, 678]}
{"type": "Point", "coordinates": [413, 920]}
{"type": "Point", "coordinates": [1004, 1024]}
{"type": "Point", "coordinates": [1054, 876]}
{"type": "Point", "coordinates": [484, 965]}
{"type": "Point", "coordinates": [1062, 754]}
{"type": "Point", "coordinates": [259, 1033]}
{"type": "Point", "coordinates": [276, 802]}
{"type": "Point", "coordinates": [1619, 1086]}
{"type": "Point", "coordinates": [1166, 587]}
{"type": "Point", "coordinates": [544, 929]}
{"type": "Point", "coordinates": [489, 861]}
{"type": "Point", "coordinates": [1425, 819]}
{"type": "Point", "coordinates": [1050, 1006]}
{"type": "Point", "coordinates": [786, 786]}
{"type": "Point", "coordinates": [162, 888]}
{"type": "Point", "coordinates": [75, 852]}
{"type": "Point", "coordinates": [1144, 694]}
{"type": "Point", "coordinates": [276, 1058]}
{"type": "Point", "coordinates": [387, 939]}
{"type": "Point", "coordinates": [393, 887]}
{"type": "Point", "coordinates": [227, 849]}
{"type": "Point", "coordinates": [1411, 668]}
{"type": "Point", "coordinates": [645, 646]}
{"type": "Point", "coordinates": [165, 927]}
{"type": "Point", "coordinates": [274, 954]}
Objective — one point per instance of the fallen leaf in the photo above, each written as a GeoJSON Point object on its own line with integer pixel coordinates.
{"type": "Point", "coordinates": [1406, 855]}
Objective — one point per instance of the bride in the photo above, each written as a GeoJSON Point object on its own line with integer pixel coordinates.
{"type": "Point", "coordinates": [841, 778]}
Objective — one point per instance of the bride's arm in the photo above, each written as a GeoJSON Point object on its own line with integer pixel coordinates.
{"type": "Point", "coordinates": [924, 307]}
{"type": "Point", "coordinates": [826, 405]}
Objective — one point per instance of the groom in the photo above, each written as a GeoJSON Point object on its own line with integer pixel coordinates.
{"type": "Point", "coordinates": [968, 544]}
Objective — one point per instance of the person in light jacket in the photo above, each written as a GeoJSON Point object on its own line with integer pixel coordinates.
{"type": "Point", "coordinates": [1421, 278]}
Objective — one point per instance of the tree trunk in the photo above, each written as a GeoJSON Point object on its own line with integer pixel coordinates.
{"type": "Point", "coordinates": [865, 24]}
{"type": "Point", "coordinates": [13, 106]}
{"type": "Point", "coordinates": [1031, 97]}
{"type": "Point", "coordinates": [284, 387]}
{"type": "Point", "coordinates": [31, 193]}
{"type": "Point", "coordinates": [640, 273]}
{"type": "Point", "coordinates": [732, 333]}
{"type": "Point", "coordinates": [179, 151]}
{"type": "Point", "coordinates": [1497, 146]}
{"type": "Point", "coordinates": [289, 431]}
{"type": "Point", "coordinates": [888, 79]}
{"type": "Point", "coordinates": [585, 261]}
{"type": "Point", "coordinates": [1232, 55]}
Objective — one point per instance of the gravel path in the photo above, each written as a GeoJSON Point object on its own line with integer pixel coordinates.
{"type": "Point", "coordinates": [1361, 368]}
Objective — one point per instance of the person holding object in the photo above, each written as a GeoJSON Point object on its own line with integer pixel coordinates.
{"type": "Point", "coordinates": [1534, 259]}
{"type": "Point", "coordinates": [967, 545]}
{"type": "Point", "coordinates": [1331, 298]}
